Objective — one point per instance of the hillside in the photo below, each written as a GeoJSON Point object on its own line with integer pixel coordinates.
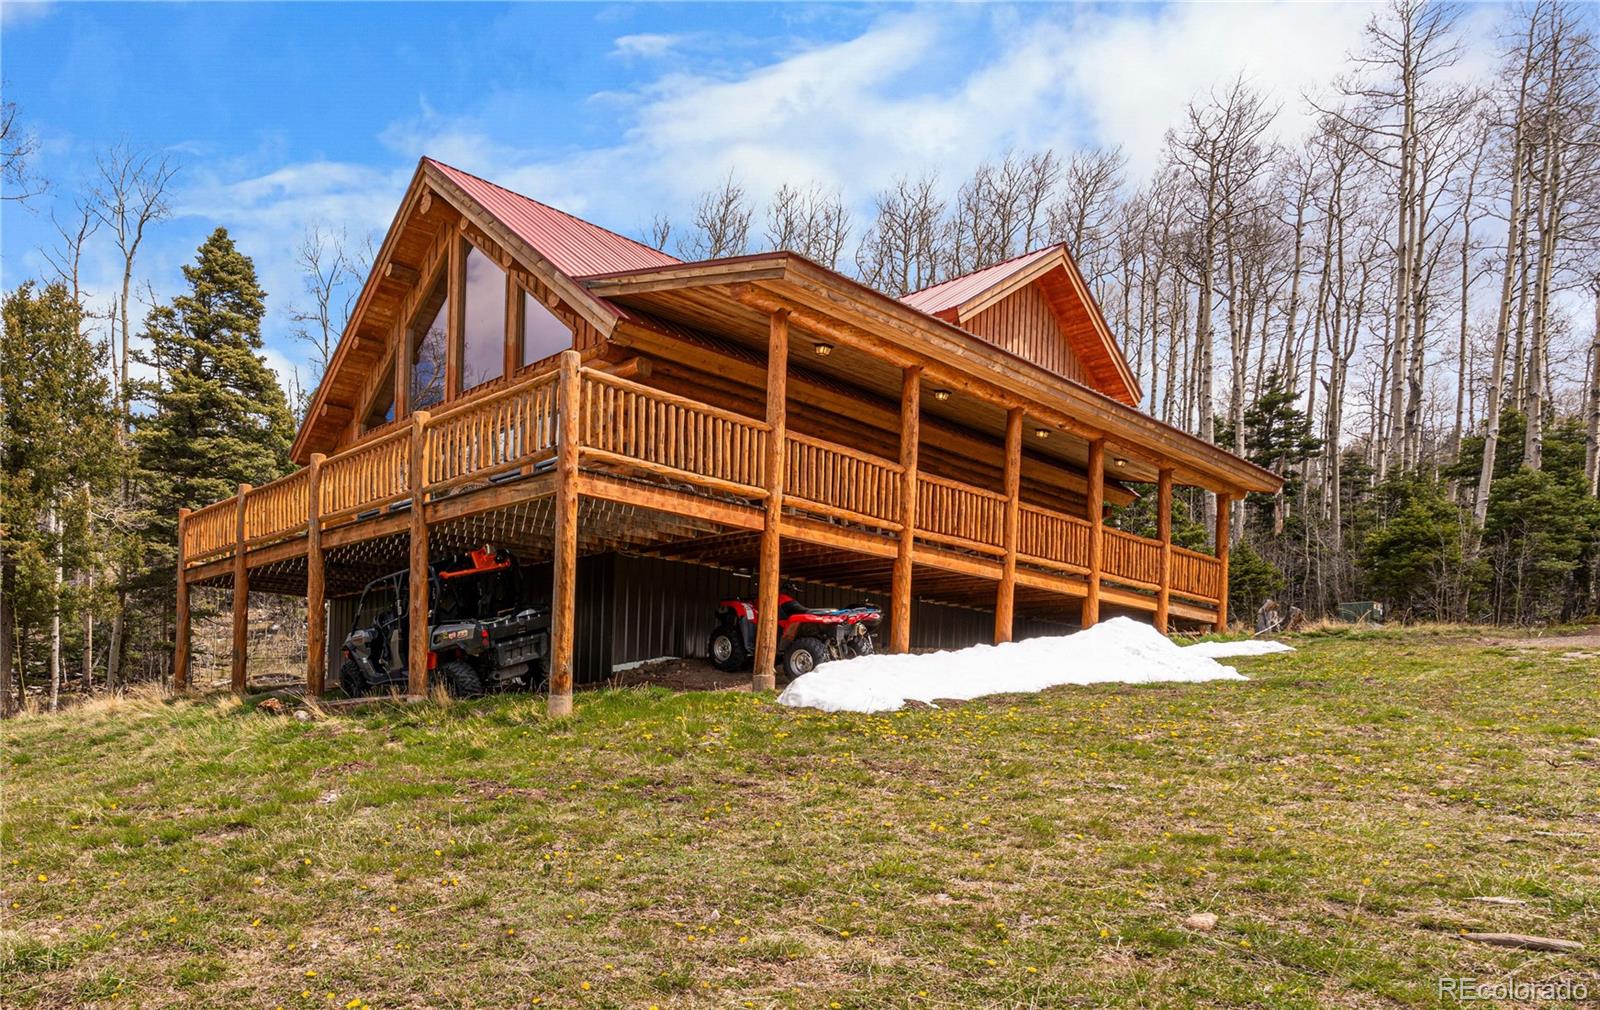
{"type": "Point", "coordinates": [1339, 813]}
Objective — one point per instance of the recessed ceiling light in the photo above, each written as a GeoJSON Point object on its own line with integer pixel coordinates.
{"type": "Point", "coordinates": [1119, 461]}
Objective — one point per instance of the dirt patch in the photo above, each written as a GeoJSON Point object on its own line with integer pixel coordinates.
{"type": "Point", "coordinates": [682, 675]}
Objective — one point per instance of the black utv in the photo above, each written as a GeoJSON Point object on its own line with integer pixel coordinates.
{"type": "Point", "coordinates": [481, 634]}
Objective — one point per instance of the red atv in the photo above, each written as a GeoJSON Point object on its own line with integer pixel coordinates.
{"type": "Point", "coordinates": [805, 637]}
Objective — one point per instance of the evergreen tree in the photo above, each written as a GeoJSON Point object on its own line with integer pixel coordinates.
{"type": "Point", "coordinates": [217, 416]}
{"type": "Point", "coordinates": [58, 442]}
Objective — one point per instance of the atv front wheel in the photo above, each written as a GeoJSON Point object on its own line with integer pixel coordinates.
{"type": "Point", "coordinates": [351, 680]}
{"type": "Point", "coordinates": [803, 657]}
{"type": "Point", "coordinates": [461, 680]}
{"type": "Point", "coordinates": [727, 650]}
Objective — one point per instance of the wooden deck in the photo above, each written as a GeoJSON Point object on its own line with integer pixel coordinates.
{"type": "Point", "coordinates": [657, 472]}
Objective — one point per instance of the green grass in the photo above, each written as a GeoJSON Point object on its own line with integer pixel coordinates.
{"type": "Point", "coordinates": [1337, 812]}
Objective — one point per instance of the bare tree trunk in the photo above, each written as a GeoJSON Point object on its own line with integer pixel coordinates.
{"type": "Point", "coordinates": [1592, 446]}
{"type": "Point", "coordinates": [1497, 368]}
{"type": "Point", "coordinates": [54, 522]}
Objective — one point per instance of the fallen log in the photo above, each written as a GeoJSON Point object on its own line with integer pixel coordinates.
{"type": "Point", "coordinates": [1523, 942]}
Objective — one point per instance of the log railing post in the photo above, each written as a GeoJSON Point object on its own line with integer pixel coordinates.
{"type": "Point", "coordinates": [1164, 534]}
{"type": "Point", "coordinates": [1006, 597]}
{"type": "Point", "coordinates": [563, 608]}
{"type": "Point", "coordinates": [241, 600]}
{"type": "Point", "coordinates": [910, 435]}
{"type": "Point", "coordinates": [1224, 531]}
{"type": "Point", "coordinates": [316, 611]}
{"type": "Point", "coordinates": [1095, 507]}
{"type": "Point", "coordinates": [180, 644]}
{"type": "Point", "coordinates": [764, 676]}
{"type": "Point", "coordinates": [417, 577]}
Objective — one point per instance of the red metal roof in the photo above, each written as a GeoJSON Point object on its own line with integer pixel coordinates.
{"type": "Point", "coordinates": [959, 290]}
{"type": "Point", "coordinates": [576, 247]}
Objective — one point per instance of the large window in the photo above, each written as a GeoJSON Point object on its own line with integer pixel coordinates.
{"type": "Point", "coordinates": [483, 336]}
{"type": "Point", "coordinates": [543, 334]}
{"type": "Point", "coordinates": [430, 346]}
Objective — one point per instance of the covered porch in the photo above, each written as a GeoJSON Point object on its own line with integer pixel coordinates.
{"type": "Point", "coordinates": [652, 472]}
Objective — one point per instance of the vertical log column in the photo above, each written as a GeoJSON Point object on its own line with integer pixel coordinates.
{"type": "Point", "coordinates": [1164, 534]}
{"type": "Point", "coordinates": [241, 600]}
{"type": "Point", "coordinates": [1006, 596]}
{"type": "Point", "coordinates": [563, 619]}
{"type": "Point", "coordinates": [417, 577]}
{"type": "Point", "coordinates": [910, 435]}
{"type": "Point", "coordinates": [316, 611]}
{"type": "Point", "coordinates": [765, 676]}
{"type": "Point", "coordinates": [180, 644]}
{"type": "Point", "coordinates": [1224, 531]}
{"type": "Point", "coordinates": [1095, 507]}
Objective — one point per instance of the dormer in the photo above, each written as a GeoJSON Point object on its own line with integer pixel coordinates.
{"type": "Point", "coordinates": [1038, 308]}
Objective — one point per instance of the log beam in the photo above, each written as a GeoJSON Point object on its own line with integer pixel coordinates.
{"type": "Point", "coordinates": [1164, 534]}
{"type": "Point", "coordinates": [1224, 532]}
{"type": "Point", "coordinates": [241, 601]}
{"type": "Point", "coordinates": [764, 676]}
{"type": "Point", "coordinates": [900, 579]}
{"type": "Point", "coordinates": [316, 574]}
{"type": "Point", "coordinates": [1096, 515]}
{"type": "Point", "coordinates": [563, 609]}
{"type": "Point", "coordinates": [1006, 596]}
{"type": "Point", "coordinates": [180, 645]}
{"type": "Point", "coordinates": [417, 578]}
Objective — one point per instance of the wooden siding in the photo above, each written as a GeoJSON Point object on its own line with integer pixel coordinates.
{"type": "Point", "coordinates": [1025, 325]}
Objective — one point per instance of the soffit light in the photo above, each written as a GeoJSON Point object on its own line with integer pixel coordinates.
{"type": "Point", "coordinates": [941, 394]}
{"type": "Point", "coordinates": [823, 350]}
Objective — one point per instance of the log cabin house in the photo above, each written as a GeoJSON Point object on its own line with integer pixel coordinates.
{"type": "Point", "coordinates": [658, 434]}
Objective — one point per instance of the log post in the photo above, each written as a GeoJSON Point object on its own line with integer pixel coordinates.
{"type": "Point", "coordinates": [563, 619]}
{"type": "Point", "coordinates": [1095, 507]}
{"type": "Point", "coordinates": [1224, 531]}
{"type": "Point", "coordinates": [1164, 534]}
{"type": "Point", "coordinates": [456, 314]}
{"type": "Point", "coordinates": [417, 578]}
{"type": "Point", "coordinates": [764, 676]}
{"type": "Point", "coordinates": [316, 610]}
{"type": "Point", "coordinates": [180, 645]}
{"type": "Point", "coordinates": [1006, 597]}
{"type": "Point", "coordinates": [241, 600]}
{"type": "Point", "coordinates": [910, 436]}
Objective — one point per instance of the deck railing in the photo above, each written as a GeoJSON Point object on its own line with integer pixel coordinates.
{"type": "Point", "coordinates": [960, 515]}
{"type": "Point", "coordinates": [841, 483]}
{"type": "Point", "coordinates": [491, 435]}
{"type": "Point", "coordinates": [277, 509]}
{"type": "Point", "coordinates": [1194, 574]}
{"type": "Point", "coordinates": [366, 476]}
{"type": "Point", "coordinates": [629, 423]}
{"type": "Point", "coordinates": [631, 428]}
{"type": "Point", "coordinates": [211, 531]}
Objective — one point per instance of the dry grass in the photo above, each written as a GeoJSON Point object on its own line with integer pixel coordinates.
{"type": "Point", "coordinates": [1338, 812]}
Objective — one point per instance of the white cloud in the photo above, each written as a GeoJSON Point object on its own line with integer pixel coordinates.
{"type": "Point", "coordinates": [934, 88]}
{"type": "Point", "coordinates": [21, 12]}
{"type": "Point", "coordinates": [648, 45]}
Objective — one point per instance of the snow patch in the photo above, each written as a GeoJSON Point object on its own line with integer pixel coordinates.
{"type": "Point", "coordinates": [1120, 650]}
{"type": "Point", "coordinates": [1248, 647]}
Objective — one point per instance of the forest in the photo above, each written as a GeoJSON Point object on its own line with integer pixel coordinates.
{"type": "Point", "coordinates": [1398, 311]}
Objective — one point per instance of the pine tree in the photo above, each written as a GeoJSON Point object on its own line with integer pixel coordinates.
{"type": "Point", "coordinates": [58, 433]}
{"type": "Point", "coordinates": [218, 416]}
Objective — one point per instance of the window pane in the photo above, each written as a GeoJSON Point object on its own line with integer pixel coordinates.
{"type": "Point", "coordinates": [543, 333]}
{"type": "Point", "coordinates": [483, 354]}
{"type": "Point", "coordinates": [427, 362]}
{"type": "Point", "coordinates": [382, 411]}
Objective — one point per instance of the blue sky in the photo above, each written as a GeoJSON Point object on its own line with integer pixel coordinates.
{"type": "Point", "coordinates": [287, 115]}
